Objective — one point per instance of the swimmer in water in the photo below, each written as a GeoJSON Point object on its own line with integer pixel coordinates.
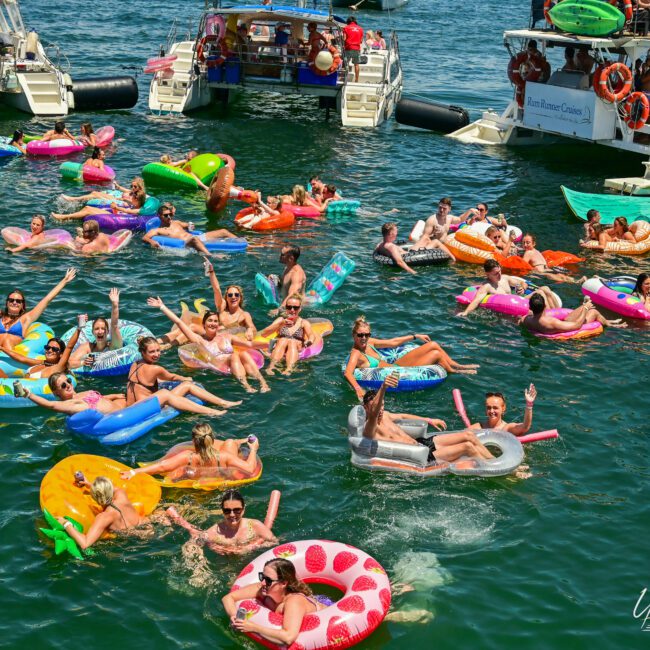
{"type": "Point", "coordinates": [537, 261]}
{"type": "Point", "coordinates": [96, 159]}
{"type": "Point", "coordinates": [37, 235]}
{"type": "Point", "coordinates": [495, 409]}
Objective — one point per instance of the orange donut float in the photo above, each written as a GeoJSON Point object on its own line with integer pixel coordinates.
{"type": "Point", "coordinates": [470, 238]}
{"type": "Point", "coordinates": [284, 219]}
{"type": "Point", "coordinates": [464, 253]}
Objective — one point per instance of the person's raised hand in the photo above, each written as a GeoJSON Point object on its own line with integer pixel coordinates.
{"type": "Point", "coordinates": [114, 296]}
{"type": "Point", "coordinates": [530, 394]}
{"type": "Point", "coordinates": [155, 302]}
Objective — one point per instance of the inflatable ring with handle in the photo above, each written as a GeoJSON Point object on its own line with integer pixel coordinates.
{"type": "Point", "coordinates": [635, 119]}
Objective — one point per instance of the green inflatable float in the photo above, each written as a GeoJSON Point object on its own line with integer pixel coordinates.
{"type": "Point", "coordinates": [62, 541]}
{"type": "Point", "coordinates": [610, 206]}
{"type": "Point", "coordinates": [205, 166]}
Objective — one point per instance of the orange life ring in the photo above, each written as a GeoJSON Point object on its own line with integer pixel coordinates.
{"type": "Point", "coordinates": [547, 7]}
{"type": "Point", "coordinates": [628, 11]}
{"type": "Point", "coordinates": [628, 109]}
{"type": "Point", "coordinates": [536, 66]}
{"type": "Point", "coordinates": [209, 38]}
{"type": "Point", "coordinates": [336, 63]}
{"type": "Point", "coordinates": [613, 95]}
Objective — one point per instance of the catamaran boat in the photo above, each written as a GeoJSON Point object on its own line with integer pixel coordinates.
{"type": "Point", "coordinates": [30, 81]}
{"type": "Point", "coordinates": [263, 48]}
{"type": "Point", "coordinates": [593, 98]}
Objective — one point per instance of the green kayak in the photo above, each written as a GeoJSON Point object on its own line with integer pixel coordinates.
{"type": "Point", "coordinates": [610, 206]}
{"type": "Point", "coordinates": [587, 17]}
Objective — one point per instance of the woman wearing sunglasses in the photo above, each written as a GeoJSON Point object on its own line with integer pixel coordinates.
{"type": "Point", "coordinates": [209, 457]}
{"type": "Point", "coordinates": [365, 354]}
{"type": "Point", "coordinates": [216, 346]}
{"type": "Point", "coordinates": [230, 306]}
{"type": "Point", "coordinates": [294, 335]}
{"type": "Point", "coordinates": [280, 591]}
{"type": "Point", "coordinates": [57, 356]}
{"type": "Point", "coordinates": [495, 409]}
{"type": "Point", "coordinates": [128, 194]}
{"type": "Point", "coordinates": [15, 319]}
{"type": "Point", "coordinates": [234, 534]}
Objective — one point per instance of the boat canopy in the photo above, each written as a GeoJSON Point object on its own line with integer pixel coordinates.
{"type": "Point", "coordinates": [270, 13]}
{"type": "Point", "coordinates": [560, 38]}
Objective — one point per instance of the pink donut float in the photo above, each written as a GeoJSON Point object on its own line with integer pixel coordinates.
{"type": "Point", "coordinates": [61, 147]}
{"type": "Point", "coordinates": [192, 356]}
{"type": "Point", "coordinates": [355, 616]}
{"type": "Point", "coordinates": [92, 174]}
{"type": "Point", "coordinates": [104, 136]}
{"type": "Point", "coordinates": [587, 331]}
{"type": "Point", "coordinates": [52, 238]}
{"type": "Point", "coordinates": [508, 304]}
{"type": "Point", "coordinates": [302, 211]}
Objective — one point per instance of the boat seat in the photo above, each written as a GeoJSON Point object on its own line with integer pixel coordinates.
{"type": "Point", "coordinates": [569, 79]}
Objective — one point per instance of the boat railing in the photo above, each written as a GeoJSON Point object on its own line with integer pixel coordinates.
{"type": "Point", "coordinates": [54, 55]}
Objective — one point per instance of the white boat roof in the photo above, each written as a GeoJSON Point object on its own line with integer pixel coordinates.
{"type": "Point", "coordinates": [276, 14]}
{"type": "Point", "coordinates": [605, 42]}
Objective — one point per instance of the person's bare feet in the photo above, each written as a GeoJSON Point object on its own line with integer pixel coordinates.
{"type": "Point", "coordinates": [228, 405]}
{"type": "Point", "coordinates": [249, 389]}
{"type": "Point", "coordinates": [270, 371]}
{"type": "Point", "coordinates": [616, 323]}
{"type": "Point", "coordinates": [264, 388]}
{"type": "Point", "coordinates": [421, 616]}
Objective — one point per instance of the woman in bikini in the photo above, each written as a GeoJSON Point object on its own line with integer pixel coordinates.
{"type": "Point", "coordinates": [234, 534]}
{"type": "Point", "coordinates": [117, 514]}
{"type": "Point", "coordinates": [135, 201]}
{"type": "Point", "coordinates": [299, 197]}
{"type": "Point", "coordinates": [209, 458]}
{"type": "Point", "coordinates": [15, 319]}
{"type": "Point", "coordinates": [280, 591]}
{"type": "Point", "coordinates": [642, 289]}
{"type": "Point", "coordinates": [96, 159]}
{"type": "Point", "coordinates": [101, 332]}
{"type": "Point", "coordinates": [145, 374]}
{"type": "Point", "coordinates": [294, 335]}
{"type": "Point", "coordinates": [37, 235]}
{"type": "Point", "coordinates": [216, 346]}
{"type": "Point", "coordinates": [620, 231]}
{"type": "Point", "coordinates": [88, 136]}
{"type": "Point", "coordinates": [137, 186]}
{"type": "Point", "coordinates": [364, 354]}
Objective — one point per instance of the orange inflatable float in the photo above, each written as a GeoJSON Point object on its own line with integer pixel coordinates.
{"type": "Point", "coordinates": [247, 218]}
{"type": "Point", "coordinates": [61, 497]}
{"type": "Point", "coordinates": [474, 248]}
{"type": "Point", "coordinates": [219, 190]}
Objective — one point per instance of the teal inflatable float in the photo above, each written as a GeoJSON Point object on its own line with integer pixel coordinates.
{"type": "Point", "coordinates": [610, 206]}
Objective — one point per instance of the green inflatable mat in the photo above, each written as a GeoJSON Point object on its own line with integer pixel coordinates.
{"type": "Point", "coordinates": [205, 166]}
{"type": "Point", "coordinates": [610, 206]}
{"type": "Point", "coordinates": [587, 17]}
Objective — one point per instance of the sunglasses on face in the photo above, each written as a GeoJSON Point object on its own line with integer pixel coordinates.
{"type": "Point", "coordinates": [481, 209]}
{"type": "Point", "coordinates": [362, 335]}
{"type": "Point", "coordinates": [266, 580]}
{"type": "Point", "coordinates": [52, 348]}
{"type": "Point", "coordinates": [88, 232]}
{"type": "Point", "coordinates": [166, 215]}
{"type": "Point", "coordinates": [64, 385]}
{"type": "Point", "coordinates": [232, 511]}
{"type": "Point", "coordinates": [233, 295]}
{"type": "Point", "coordinates": [18, 301]}
{"type": "Point", "coordinates": [293, 307]}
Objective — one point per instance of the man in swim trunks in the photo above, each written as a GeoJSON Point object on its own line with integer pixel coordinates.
{"type": "Point", "coordinates": [91, 240]}
{"type": "Point", "coordinates": [437, 225]}
{"type": "Point", "coordinates": [293, 278]}
{"type": "Point", "coordinates": [537, 261]}
{"type": "Point", "coordinates": [170, 227]}
{"type": "Point", "coordinates": [389, 248]}
{"type": "Point", "coordinates": [382, 425]}
{"type": "Point", "coordinates": [500, 284]}
{"type": "Point", "coordinates": [541, 322]}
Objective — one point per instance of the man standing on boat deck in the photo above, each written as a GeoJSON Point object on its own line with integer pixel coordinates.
{"type": "Point", "coordinates": [353, 36]}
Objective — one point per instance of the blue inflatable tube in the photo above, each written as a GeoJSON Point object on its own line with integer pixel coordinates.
{"type": "Point", "coordinates": [8, 150]}
{"type": "Point", "coordinates": [343, 207]}
{"type": "Point", "coordinates": [150, 207]}
{"type": "Point", "coordinates": [39, 387]}
{"type": "Point", "coordinates": [226, 245]}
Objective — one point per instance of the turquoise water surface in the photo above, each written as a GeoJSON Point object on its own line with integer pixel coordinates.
{"type": "Point", "coordinates": [556, 561]}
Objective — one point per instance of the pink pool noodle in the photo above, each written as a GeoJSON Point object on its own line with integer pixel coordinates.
{"type": "Point", "coordinates": [536, 437]}
{"type": "Point", "coordinates": [272, 510]}
{"type": "Point", "coordinates": [460, 407]}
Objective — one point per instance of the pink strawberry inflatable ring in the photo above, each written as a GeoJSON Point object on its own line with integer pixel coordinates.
{"type": "Point", "coordinates": [363, 581]}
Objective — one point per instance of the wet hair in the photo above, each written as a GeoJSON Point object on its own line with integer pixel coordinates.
{"type": "Point", "coordinates": [144, 341]}
{"type": "Point", "coordinates": [95, 153]}
{"type": "Point", "coordinates": [163, 207]}
{"type": "Point", "coordinates": [241, 293]}
{"type": "Point", "coordinates": [59, 127]}
{"type": "Point", "coordinates": [207, 315]}
{"type": "Point", "coordinates": [53, 379]}
{"type": "Point", "coordinates": [232, 495]}
{"type": "Point", "coordinates": [100, 320]}
{"type": "Point", "coordinates": [298, 194]}
{"type": "Point", "coordinates": [18, 133]}
{"type": "Point", "coordinates": [639, 282]}
{"type": "Point", "coordinates": [537, 303]}
{"type": "Point", "coordinates": [287, 573]}
{"type": "Point", "coordinates": [102, 491]}
{"type": "Point", "coordinates": [622, 221]}
{"type": "Point", "coordinates": [369, 396]}
{"type": "Point", "coordinates": [87, 127]}
{"type": "Point", "coordinates": [203, 439]}
{"type": "Point", "coordinates": [445, 200]}
{"type": "Point", "coordinates": [331, 188]}
{"type": "Point", "coordinates": [490, 265]}
{"type": "Point", "coordinates": [23, 308]}
{"type": "Point", "coordinates": [59, 342]}
{"type": "Point", "coordinates": [387, 227]}
{"type": "Point", "coordinates": [294, 251]}
{"type": "Point", "coordinates": [93, 226]}
{"type": "Point", "coordinates": [361, 320]}
{"type": "Point", "coordinates": [530, 234]}
{"type": "Point", "coordinates": [40, 217]}
{"type": "Point", "coordinates": [591, 214]}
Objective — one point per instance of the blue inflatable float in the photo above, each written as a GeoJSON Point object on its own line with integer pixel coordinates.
{"type": "Point", "coordinates": [226, 245]}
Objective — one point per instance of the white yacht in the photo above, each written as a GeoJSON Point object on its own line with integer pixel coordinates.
{"type": "Point", "coordinates": [219, 61]}
{"type": "Point", "coordinates": [30, 81]}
